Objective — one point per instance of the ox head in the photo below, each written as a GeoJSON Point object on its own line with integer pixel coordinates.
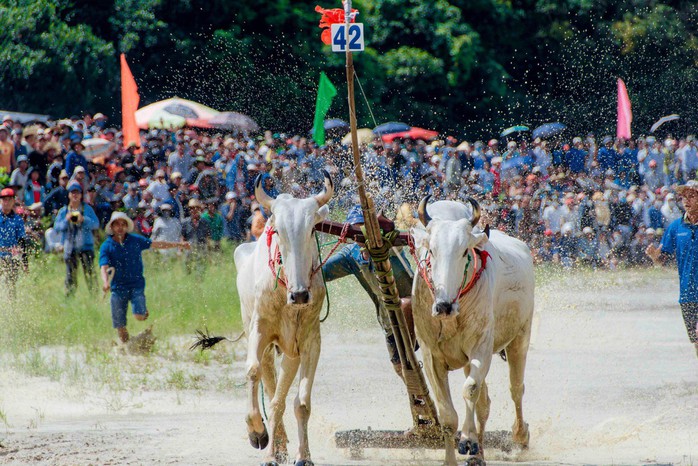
{"type": "Point", "coordinates": [446, 240]}
{"type": "Point", "coordinates": [294, 220]}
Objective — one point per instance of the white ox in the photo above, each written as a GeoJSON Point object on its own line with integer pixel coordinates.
{"type": "Point", "coordinates": [282, 315]}
{"type": "Point", "coordinates": [460, 325]}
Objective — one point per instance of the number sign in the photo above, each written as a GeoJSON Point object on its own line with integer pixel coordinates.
{"type": "Point", "coordinates": [354, 39]}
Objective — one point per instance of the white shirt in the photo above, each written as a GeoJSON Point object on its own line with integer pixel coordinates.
{"type": "Point", "coordinates": [159, 191]}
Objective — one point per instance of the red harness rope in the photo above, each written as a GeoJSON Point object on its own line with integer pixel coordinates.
{"type": "Point", "coordinates": [424, 269]}
{"type": "Point", "coordinates": [276, 264]}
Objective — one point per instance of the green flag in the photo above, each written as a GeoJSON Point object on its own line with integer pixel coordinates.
{"type": "Point", "coordinates": [325, 93]}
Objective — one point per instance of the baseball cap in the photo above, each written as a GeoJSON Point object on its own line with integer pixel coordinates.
{"type": "Point", "coordinates": [7, 192]}
{"type": "Point", "coordinates": [355, 215]}
{"type": "Point", "coordinates": [74, 186]}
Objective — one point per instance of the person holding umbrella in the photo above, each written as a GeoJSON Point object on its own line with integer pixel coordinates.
{"type": "Point", "coordinates": [680, 242]}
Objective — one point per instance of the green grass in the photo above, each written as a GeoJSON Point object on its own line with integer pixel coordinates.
{"type": "Point", "coordinates": [178, 303]}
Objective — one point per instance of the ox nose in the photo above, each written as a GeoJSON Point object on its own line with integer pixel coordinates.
{"type": "Point", "coordinates": [442, 308]}
{"type": "Point", "coordinates": [299, 297]}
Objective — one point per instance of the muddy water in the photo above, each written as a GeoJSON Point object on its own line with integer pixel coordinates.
{"type": "Point", "coordinates": [611, 379]}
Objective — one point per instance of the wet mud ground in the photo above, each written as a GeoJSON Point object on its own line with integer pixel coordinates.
{"type": "Point", "coordinates": [611, 379]}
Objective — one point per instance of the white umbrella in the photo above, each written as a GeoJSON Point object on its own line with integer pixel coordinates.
{"type": "Point", "coordinates": [364, 136]}
{"type": "Point", "coordinates": [663, 120]}
{"type": "Point", "coordinates": [165, 120]}
{"type": "Point", "coordinates": [96, 147]}
{"type": "Point", "coordinates": [196, 114]}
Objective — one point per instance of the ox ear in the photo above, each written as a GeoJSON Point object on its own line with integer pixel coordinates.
{"type": "Point", "coordinates": [322, 213]}
{"type": "Point", "coordinates": [481, 239]}
{"type": "Point", "coordinates": [420, 237]}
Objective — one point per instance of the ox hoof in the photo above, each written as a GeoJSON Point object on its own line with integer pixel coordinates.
{"type": "Point", "coordinates": [304, 463]}
{"type": "Point", "coordinates": [467, 447]}
{"type": "Point", "coordinates": [522, 436]}
{"type": "Point", "coordinates": [259, 440]}
{"type": "Point", "coordinates": [474, 462]}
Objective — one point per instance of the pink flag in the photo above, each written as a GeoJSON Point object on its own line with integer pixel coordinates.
{"type": "Point", "coordinates": [625, 113]}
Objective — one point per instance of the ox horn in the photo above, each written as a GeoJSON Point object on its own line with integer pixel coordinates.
{"type": "Point", "coordinates": [422, 210]}
{"type": "Point", "coordinates": [476, 211]}
{"type": "Point", "coordinates": [261, 195]}
{"type": "Point", "coordinates": [327, 193]}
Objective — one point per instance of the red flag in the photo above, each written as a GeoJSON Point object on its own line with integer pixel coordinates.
{"type": "Point", "coordinates": [625, 113]}
{"type": "Point", "coordinates": [129, 105]}
{"type": "Point", "coordinates": [330, 17]}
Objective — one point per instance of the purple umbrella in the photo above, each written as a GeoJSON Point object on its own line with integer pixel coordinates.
{"type": "Point", "coordinates": [234, 121]}
{"type": "Point", "coordinates": [548, 130]}
{"type": "Point", "coordinates": [334, 124]}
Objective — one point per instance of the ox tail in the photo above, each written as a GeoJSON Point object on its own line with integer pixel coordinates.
{"type": "Point", "coordinates": [206, 341]}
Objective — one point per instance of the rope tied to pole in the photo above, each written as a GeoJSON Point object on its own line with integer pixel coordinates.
{"type": "Point", "coordinates": [381, 253]}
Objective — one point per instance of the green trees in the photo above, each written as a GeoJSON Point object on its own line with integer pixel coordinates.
{"type": "Point", "coordinates": [468, 67]}
{"type": "Point", "coordinates": [48, 65]}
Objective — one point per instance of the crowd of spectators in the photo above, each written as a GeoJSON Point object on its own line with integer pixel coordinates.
{"type": "Point", "coordinates": [579, 201]}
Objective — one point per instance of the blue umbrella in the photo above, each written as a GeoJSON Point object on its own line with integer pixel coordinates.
{"type": "Point", "coordinates": [334, 123]}
{"type": "Point", "coordinates": [514, 129]}
{"type": "Point", "coordinates": [391, 127]}
{"type": "Point", "coordinates": [548, 130]}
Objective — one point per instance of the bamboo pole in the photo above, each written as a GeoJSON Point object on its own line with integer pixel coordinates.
{"type": "Point", "coordinates": [424, 414]}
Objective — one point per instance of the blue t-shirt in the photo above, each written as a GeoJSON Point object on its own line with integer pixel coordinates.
{"type": "Point", "coordinates": [126, 259]}
{"type": "Point", "coordinates": [680, 240]}
{"type": "Point", "coordinates": [11, 230]}
{"type": "Point", "coordinates": [576, 159]}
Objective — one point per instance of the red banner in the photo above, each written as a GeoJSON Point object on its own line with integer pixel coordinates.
{"type": "Point", "coordinates": [129, 105]}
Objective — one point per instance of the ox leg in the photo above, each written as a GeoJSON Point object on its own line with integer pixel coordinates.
{"type": "Point", "coordinates": [516, 357]}
{"type": "Point", "coordinates": [310, 355]}
{"type": "Point", "coordinates": [438, 377]}
{"type": "Point", "coordinates": [256, 346]}
{"type": "Point", "coordinates": [475, 373]}
{"type": "Point", "coordinates": [482, 409]}
{"type": "Point", "coordinates": [279, 440]}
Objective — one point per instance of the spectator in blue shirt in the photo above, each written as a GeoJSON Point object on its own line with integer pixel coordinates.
{"type": "Point", "coordinates": [680, 241]}
{"type": "Point", "coordinates": [75, 158]}
{"type": "Point", "coordinates": [11, 240]}
{"type": "Point", "coordinates": [607, 156]}
{"type": "Point", "coordinates": [76, 222]}
{"type": "Point", "coordinates": [576, 156]}
{"type": "Point", "coordinates": [232, 212]}
{"type": "Point", "coordinates": [121, 252]}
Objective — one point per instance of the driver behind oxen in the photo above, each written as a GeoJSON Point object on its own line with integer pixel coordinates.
{"type": "Point", "coordinates": [352, 259]}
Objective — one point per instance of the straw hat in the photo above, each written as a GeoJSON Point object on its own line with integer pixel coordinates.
{"type": "Point", "coordinates": [195, 203]}
{"type": "Point", "coordinates": [119, 216]}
